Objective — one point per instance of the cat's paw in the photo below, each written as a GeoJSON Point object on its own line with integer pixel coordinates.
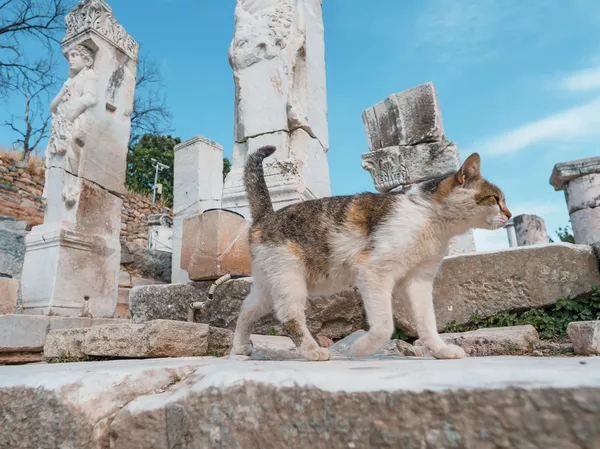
{"type": "Point", "coordinates": [243, 349]}
{"type": "Point", "coordinates": [318, 355]}
{"type": "Point", "coordinates": [449, 352]}
{"type": "Point", "coordinates": [367, 345]}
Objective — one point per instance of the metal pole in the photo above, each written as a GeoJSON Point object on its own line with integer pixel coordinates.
{"type": "Point", "coordinates": [154, 185]}
{"type": "Point", "coordinates": [159, 167]}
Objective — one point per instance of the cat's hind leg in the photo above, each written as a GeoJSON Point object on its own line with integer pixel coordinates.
{"type": "Point", "coordinates": [256, 305]}
{"type": "Point", "coordinates": [376, 291]}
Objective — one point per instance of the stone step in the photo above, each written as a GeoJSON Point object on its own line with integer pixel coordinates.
{"type": "Point", "coordinates": [26, 334]}
{"type": "Point", "coordinates": [384, 403]}
{"type": "Point", "coordinates": [160, 338]}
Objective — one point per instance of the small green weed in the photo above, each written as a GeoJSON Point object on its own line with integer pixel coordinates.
{"type": "Point", "coordinates": [551, 323]}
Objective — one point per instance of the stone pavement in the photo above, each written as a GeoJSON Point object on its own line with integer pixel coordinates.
{"type": "Point", "coordinates": [495, 402]}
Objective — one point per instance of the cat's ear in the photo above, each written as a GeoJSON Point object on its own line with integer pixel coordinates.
{"type": "Point", "coordinates": [470, 169]}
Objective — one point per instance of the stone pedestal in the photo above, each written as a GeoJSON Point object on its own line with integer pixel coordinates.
{"type": "Point", "coordinates": [530, 230]}
{"type": "Point", "coordinates": [71, 265]}
{"type": "Point", "coordinates": [407, 146]}
{"type": "Point", "coordinates": [278, 58]}
{"type": "Point", "coordinates": [216, 244]}
{"type": "Point", "coordinates": [580, 181]}
{"type": "Point", "coordinates": [198, 186]}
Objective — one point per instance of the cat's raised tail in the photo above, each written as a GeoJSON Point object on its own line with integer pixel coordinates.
{"type": "Point", "coordinates": [256, 186]}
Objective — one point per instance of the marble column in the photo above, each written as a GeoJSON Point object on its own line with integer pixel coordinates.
{"type": "Point", "coordinates": [580, 180]}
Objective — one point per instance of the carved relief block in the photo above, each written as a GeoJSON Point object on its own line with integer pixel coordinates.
{"type": "Point", "coordinates": [395, 166]}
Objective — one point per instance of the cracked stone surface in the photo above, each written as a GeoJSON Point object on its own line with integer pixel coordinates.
{"type": "Point", "coordinates": [71, 405]}
{"type": "Point", "coordinates": [384, 402]}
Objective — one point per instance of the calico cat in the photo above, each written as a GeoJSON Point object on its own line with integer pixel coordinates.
{"type": "Point", "coordinates": [378, 242]}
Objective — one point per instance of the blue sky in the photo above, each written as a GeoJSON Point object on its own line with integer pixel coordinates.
{"type": "Point", "coordinates": [518, 81]}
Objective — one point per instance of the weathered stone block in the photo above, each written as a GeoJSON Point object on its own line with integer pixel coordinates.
{"type": "Point", "coordinates": [512, 279]}
{"type": "Point", "coordinates": [27, 333]}
{"type": "Point", "coordinates": [396, 166]}
{"type": "Point", "coordinates": [585, 336]}
{"type": "Point", "coordinates": [65, 343]}
{"type": "Point", "coordinates": [70, 405]}
{"type": "Point", "coordinates": [355, 403]}
{"type": "Point", "coordinates": [215, 244]}
{"type": "Point", "coordinates": [512, 340]}
{"type": "Point", "coordinates": [160, 338]}
{"type": "Point", "coordinates": [12, 252]}
{"type": "Point", "coordinates": [530, 230]}
{"type": "Point", "coordinates": [408, 118]}
{"type": "Point", "coordinates": [147, 263]}
{"type": "Point", "coordinates": [9, 292]}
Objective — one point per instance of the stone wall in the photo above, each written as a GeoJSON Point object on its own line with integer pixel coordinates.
{"type": "Point", "coordinates": [21, 197]}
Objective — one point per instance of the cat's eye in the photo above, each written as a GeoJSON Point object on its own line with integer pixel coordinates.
{"type": "Point", "coordinates": [497, 200]}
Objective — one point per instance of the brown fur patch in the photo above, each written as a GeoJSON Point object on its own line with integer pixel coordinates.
{"type": "Point", "coordinates": [293, 329]}
{"type": "Point", "coordinates": [295, 249]}
{"type": "Point", "coordinates": [444, 189]}
{"type": "Point", "coordinates": [368, 210]}
{"type": "Point", "coordinates": [255, 234]}
{"type": "Point", "coordinates": [488, 194]}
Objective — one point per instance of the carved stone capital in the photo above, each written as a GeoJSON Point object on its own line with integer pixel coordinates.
{"type": "Point", "coordinates": [97, 16]}
{"type": "Point", "coordinates": [403, 165]}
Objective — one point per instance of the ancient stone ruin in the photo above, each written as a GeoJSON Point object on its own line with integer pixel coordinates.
{"type": "Point", "coordinates": [580, 180]}
{"type": "Point", "coordinates": [278, 59]}
{"type": "Point", "coordinates": [154, 328]}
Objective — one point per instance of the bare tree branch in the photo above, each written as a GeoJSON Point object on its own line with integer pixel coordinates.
{"type": "Point", "coordinates": [23, 22]}
{"type": "Point", "coordinates": [151, 114]}
{"type": "Point", "coordinates": [32, 126]}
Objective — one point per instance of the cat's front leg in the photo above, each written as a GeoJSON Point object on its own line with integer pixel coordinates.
{"type": "Point", "coordinates": [419, 290]}
{"type": "Point", "coordinates": [376, 292]}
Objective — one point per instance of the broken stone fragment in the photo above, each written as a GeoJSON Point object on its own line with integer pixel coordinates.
{"type": "Point", "coordinates": [585, 336]}
{"type": "Point", "coordinates": [407, 118]}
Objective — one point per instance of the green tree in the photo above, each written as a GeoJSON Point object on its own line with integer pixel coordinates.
{"type": "Point", "coordinates": [141, 169]}
{"type": "Point", "coordinates": [565, 234]}
{"type": "Point", "coordinates": [226, 167]}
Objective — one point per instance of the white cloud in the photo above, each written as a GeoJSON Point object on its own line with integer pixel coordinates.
{"type": "Point", "coordinates": [581, 121]}
{"type": "Point", "coordinates": [588, 79]}
{"type": "Point", "coordinates": [539, 208]}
